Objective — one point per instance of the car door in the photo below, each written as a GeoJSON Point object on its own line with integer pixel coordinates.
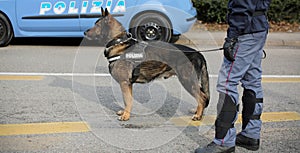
{"type": "Point", "coordinates": [91, 11]}
{"type": "Point", "coordinates": [61, 16]}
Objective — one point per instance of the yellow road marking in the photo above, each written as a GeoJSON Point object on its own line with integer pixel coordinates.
{"type": "Point", "coordinates": [71, 127]}
{"type": "Point", "coordinates": [210, 119]}
{"type": "Point", "coordinates": [41, 77]}
{"type": "Point", "coordinates": [43, 128]}
{"type": "Point", "coordinates": [280, 80]}
{"type": "Point", "coordinates": [16, 77]}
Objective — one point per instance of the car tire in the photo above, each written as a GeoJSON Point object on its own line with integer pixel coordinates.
{"type": "Point", "coordinates": [151, 26]}
{"type": "Point", "coordinates": [6, 32]}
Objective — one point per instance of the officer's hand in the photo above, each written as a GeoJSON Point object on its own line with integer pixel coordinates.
{"type": "Point", "coordinates": [228, 48]}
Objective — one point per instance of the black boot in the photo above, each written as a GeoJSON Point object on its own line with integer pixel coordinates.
{"type": "Point", "coordinates": [248, 143]}
{"type": "Point", "coordinates": [214, 148]}
{"type": "Point", "coordinates": [249, 103]}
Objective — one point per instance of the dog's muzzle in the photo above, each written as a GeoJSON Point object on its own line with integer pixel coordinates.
{"type": "Point", "coordinates": [86, 35]}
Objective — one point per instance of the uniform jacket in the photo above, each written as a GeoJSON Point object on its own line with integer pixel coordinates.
{"type": "Point", "coordinates": [247, 16]}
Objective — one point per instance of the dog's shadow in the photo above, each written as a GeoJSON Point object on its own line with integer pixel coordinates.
{"type": "Point", "coordinates": [110, 97]}
{"type": "Point", "coordinates": [106, 96]}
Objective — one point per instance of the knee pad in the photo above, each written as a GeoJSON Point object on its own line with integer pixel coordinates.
{"type": "Point", "coordinates": [249, 101]}
{"type": "Point", "coordinates": [226, 117]}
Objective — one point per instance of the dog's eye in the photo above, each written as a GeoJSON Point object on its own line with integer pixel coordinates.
{"type": "Point", "coordinates": [98, 25]}
{"type": "Point", "coordinates": [98, 20]}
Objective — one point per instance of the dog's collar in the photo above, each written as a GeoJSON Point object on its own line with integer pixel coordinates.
{"type": "Point", "coordinates": [124, 39]}
{"type": "Point", "coordinates": [119, 41]}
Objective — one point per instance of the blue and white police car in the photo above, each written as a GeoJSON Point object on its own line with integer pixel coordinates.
{"type": "Point", "coordinates": [145, 19]}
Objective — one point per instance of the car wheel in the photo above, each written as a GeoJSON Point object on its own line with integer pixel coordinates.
{"type": "Point", "coordinates": [6, 32]}
{"type": "Point", "coordinates": [151, 26]}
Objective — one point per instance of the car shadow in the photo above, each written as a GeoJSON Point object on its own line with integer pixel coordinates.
{"type": "Point", "coordinates": [54, 41]}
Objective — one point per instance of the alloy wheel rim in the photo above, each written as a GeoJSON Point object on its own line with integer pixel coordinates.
{"type": "Point", "coordinates": [151, 31]}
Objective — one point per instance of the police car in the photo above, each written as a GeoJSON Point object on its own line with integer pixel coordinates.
{"type": "Point", "coordinates": [145, 19]}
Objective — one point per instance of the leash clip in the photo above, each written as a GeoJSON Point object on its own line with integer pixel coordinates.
{"type": "Point", "coordinates": [129, 35]}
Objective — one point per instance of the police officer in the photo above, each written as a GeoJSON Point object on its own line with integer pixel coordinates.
{"type": "Point", "coordinates": [243, 51]}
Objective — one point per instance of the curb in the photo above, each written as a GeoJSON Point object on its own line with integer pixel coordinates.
{"type": "Point", "coordinates": [217, 39]}
{"type": "Point", "coordinates": [294, 43]}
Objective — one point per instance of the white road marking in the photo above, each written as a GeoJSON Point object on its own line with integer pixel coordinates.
{"type": "Point", "coordinates": [108, 75]}
{"type": "Point", "coordinates": [55, 74]}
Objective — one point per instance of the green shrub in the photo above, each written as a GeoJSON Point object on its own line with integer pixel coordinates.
{"type": "Point", "coordinates": [211, 10]}
{"type": "Point", "coordinates": [215, 10]}
{"type": "Point", "coordinates": [284, 10]}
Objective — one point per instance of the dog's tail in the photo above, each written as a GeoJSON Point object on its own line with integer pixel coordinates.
{"type": "Point", "coordinates": [204, 81]}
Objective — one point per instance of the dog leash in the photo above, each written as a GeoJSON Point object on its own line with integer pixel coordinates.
{"type": "Point", "coordinates": [211, 50]}
{"type": "Point", "coordinates": [218, 49]}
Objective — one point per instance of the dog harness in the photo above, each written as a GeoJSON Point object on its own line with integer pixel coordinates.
{"type": "Point", "coordinates": [134, 52]}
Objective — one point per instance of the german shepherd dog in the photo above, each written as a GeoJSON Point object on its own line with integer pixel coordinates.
{"type": "Point", "coordinates": [132, 61]}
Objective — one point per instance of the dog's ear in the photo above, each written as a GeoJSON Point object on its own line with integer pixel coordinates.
{"type": "Point", "coordinates": [102, 12]}
{"type": "Point", "coordinates": [106, 12]}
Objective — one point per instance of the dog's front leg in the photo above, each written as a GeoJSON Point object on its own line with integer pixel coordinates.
{"type": "Point", "coordinates": [126, 88]}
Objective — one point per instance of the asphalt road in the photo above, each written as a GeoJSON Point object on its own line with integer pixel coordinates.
{"type": "Point", "coordinates": [65, 91]}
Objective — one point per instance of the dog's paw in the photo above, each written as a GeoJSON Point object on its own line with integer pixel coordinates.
{"type": "Point", "coordinates": [196, 117]}
{"type": "Point", "coordinates": [124, 116]}
{"type": "Point", "coordinates": [120, 112]}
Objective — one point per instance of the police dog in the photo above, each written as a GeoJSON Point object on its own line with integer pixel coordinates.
{"type": "Point", "coordinates": [132, 61]}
